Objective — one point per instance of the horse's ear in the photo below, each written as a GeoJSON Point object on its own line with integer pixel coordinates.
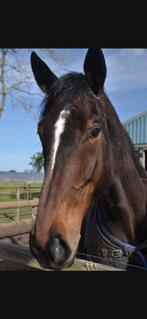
{"type": "Point", "coordinates": [95, 69]}
{"type": "Point", "coordinates": [43, 75]}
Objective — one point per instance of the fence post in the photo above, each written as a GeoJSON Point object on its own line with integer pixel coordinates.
{"type": "Point", "coordinates": [17, 209]}
{"type": "Point", "coordinates": [29, 192]}
{"type": "Point", "coordinates": [30, 197]}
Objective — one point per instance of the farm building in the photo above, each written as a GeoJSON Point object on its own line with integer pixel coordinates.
{"type": "Point", "coordinates": [137, 130]}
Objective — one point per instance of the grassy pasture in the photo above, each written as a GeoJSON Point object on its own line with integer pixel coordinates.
{"type": "Point", "coordinates": [8, 193]}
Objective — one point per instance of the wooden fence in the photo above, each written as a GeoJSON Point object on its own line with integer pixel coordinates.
{"type": "Point", "coordinates": [19, 204]}
{"type": "Point", "coordinates": [18, 227]}
{"type": "Point", "coordinates": [20, 192]}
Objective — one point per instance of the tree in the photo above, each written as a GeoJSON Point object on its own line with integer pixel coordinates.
{"type": "Point", "coordinates": [16, 79]}
{"type": "Point", "coordinates": [37, 161]}
{"type": "Point", "coordinates": [17, 82]}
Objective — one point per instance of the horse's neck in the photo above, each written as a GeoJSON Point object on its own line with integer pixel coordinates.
{"type": "Point", "coordinates": [125, 203]}
{"type": "Point", "coordinates": [126, 220]}
{"type": "Point", "coordinates": [125, 209]}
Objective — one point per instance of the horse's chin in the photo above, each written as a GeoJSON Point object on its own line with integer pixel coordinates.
{"type": "Point", "coordinates": [49, 265]}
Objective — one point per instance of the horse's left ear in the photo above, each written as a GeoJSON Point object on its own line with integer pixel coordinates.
{"type": "Point", "coordinates": [95, 69]}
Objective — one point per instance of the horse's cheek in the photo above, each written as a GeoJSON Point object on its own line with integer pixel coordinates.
{"type": "Point", "coordinates": [89, 170]}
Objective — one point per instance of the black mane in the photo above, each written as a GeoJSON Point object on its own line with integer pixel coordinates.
{"type": "Point", "coordinates": [121, 142]}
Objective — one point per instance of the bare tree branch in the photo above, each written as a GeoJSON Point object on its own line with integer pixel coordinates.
{"type": "Point", "coordinates": [16, 77]}
{"type": "Point", "coordinates": [3, 84]}
{"type": "Point", "coordinates": [60, 57]}
{"type": "Point", "coordinates": [15, 101]}
{"type": "Point", "coordinates": [25, 91]}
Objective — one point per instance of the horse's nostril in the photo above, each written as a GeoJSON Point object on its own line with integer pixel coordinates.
{"type": "Point", "coordinates": [58, 250]}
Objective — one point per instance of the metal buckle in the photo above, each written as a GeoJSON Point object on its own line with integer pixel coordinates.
{"type": "Point", "coordinates": [117, 253]}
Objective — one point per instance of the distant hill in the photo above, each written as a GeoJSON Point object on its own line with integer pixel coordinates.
{"type": "Point", "coordinates": [18, 176]}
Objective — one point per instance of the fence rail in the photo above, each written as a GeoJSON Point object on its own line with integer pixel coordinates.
{"type": "Point", "coordinates": [19, 204]}
{"type": "Point", "coordinates": [16, 228]}
{"type": "Point", "coordinates": [21, 192]}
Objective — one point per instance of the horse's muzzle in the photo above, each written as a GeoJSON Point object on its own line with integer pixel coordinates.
{"type": "Point", "coordinates": [55, 254]}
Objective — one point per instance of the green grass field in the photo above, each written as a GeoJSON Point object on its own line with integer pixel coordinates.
{"type": "Point", "coordinates": [8, 215]}
{"type": "Point", "coordinates": [8, 193]}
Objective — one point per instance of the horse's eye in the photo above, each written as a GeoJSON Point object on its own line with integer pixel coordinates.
{"type": "Point", "coordinates": [94, 132]}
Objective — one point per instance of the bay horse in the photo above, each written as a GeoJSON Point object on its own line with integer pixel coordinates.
{"type": "Point", "coordinates": [93, 201]}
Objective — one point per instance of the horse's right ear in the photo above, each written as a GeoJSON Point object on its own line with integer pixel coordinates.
{"type": "Point", "coordinates": [95, 69]}
{"type": "Point", "coordinates": [43, 75]}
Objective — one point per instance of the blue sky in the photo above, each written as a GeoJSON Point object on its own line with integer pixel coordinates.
{"type": "Point", "coordinates": [126, 86]}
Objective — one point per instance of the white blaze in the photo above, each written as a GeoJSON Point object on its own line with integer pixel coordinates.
{"type": "Point", "coordinates": [59, 129]}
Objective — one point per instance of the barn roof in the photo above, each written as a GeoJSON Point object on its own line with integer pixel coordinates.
{"type": "Point", "coordinates": [138, 116]}
{"type": "Point", "coordinates": [137, 128]}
